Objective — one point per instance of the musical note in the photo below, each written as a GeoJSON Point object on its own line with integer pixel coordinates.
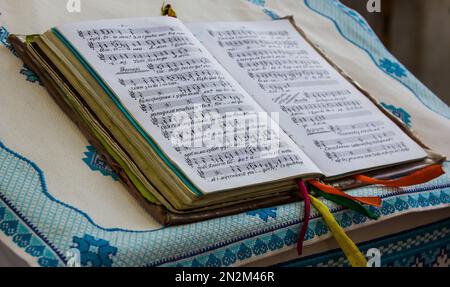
{"type": "Point", "coordinates": [273, 53]}
{"type": "Point", "coordinates": [289, 75]}
{"type": "Point", "coordinates": [325, 115]}
{"type": "Point", "coordinates": [136, 31]}
{"type": "Point", "coordinates": [149, 56]}
{"type": "Point", "coordinates": [203, 75]}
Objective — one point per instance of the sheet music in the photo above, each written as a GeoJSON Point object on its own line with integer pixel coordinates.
{"type": "Point", "coordinates": [333, 122]}
{"type": "Point", "coordinates": [174, 88]}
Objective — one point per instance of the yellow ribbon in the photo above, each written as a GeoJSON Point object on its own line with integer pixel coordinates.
{"type": "Point", "coordinates": [349, 248]}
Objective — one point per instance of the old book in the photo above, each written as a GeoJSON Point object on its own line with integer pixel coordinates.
{"type": "Point", "coordinates": [207, 119]}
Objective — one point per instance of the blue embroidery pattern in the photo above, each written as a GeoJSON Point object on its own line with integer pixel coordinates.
{"type": "Point", "coordinates": [271, 14]}
{"type": "Point", "coordinates": [30, 75]}
{"type": "Point", "coordinates": [427, 246]}
{"type": "Point", "coordinates": [393, 68]}
{"type": "Point", "coordinates": [97, 162]}
{"type": "Point", "coordinates": [366, 40]}
{"type": "Point", "coordinates": [31, 243]}
{"type": "Point", "coordinates": [94, 252]}
{"type": "Point", "coordinates": [400, 113]}
{"type": "Point", "coordinates": [219, 248]}
{"type": "Point", "coordinates": [3, 37]}
{"type": "Point", "coordinates": [355, 16]}
{"type": "Point", "coordinates": [288, 237]}
{"type": "Point", "coordinates": [377, 52]}
{"type": "Point", "coordinates": [261, 3]}
{"type": "Point", "coordinates": [279, 234]}
{"type": "Point", "coordinates": [264, 213]}
{"type": "Point", "coordinates": [268, 12]}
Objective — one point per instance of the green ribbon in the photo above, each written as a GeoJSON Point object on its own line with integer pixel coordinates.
{"type": "Point", "coordinates": [348, 203]}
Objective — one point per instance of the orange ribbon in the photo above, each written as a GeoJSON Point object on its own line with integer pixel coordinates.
{"type": "Point", "coordinates": [418, 177]}
{"type": "Point", "coordinates": [370, 200]}
{"type": "Point", "coordinates": [424, 175]}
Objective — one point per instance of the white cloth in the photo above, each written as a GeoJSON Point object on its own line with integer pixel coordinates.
{"type": "Point", "coordinates": [32, 125]}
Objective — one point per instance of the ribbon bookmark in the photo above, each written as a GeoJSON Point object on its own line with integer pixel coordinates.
{"type": "Point", "coordinates": [349, 248]}
{"type": "Point", "coordinates": [348, 203]}
{"type": "Point", "coordinates": [304, 193]}
{"type": "Point", "coordinates": [370, 200]}
{"type": "Point", "coordinates": [421, 176]}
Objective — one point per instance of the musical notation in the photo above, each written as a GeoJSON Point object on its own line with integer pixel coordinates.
{"type": "Point", "coordinates": [129, 44]}
{"type": "Point", "coordinates": [255, 166]}
{"type": "Point", "coordinates": [245, 33]}
{"type": "Point", "coordinates": [257, 42]}
{"type": "Point", "coordinates": [281, 63]}
{"type": "Point", "coordinates": [275, 87]}
{"type": "Point", "coordinates": [348, 156]}
{"type": "Point", "coordinates": [241, 153]}
{"type": "Point", "coordinates": [124, 32]}
{"type": "Point", "coordinates": [294, 108]}
{"type": "Point", "coordinates": [362, 139]}
{"type": "Point", "coordinates": [153, 56]}
{"type": "Point", "coordinates": [180, 95]}
{"type": "Point", "coordinates": [203, 75]}
{"type": "Point", "coordinates": [155, 104]}
{"type": "Point", "coordinates": [307, 91]}
{"type": "Point", "coordinates": [166, 119]}
{"type": "Point", "coordinates": [267, 53]}
{"type": "Point", "coordinates": [323, 96]}
{"type": "Point", "coordinates": [289, 75]}
{"type": "Point", "coordinates": [339, 129]}
{"type": "Point", "coordinates": [195, 88]}
{"type": "Point", "coordinates": [179, 64]}
{"type": "Point", "coordinates": [330, 117]}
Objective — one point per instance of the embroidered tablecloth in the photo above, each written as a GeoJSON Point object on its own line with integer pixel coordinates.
{"type": "Point", "coordinates": [58, 198]}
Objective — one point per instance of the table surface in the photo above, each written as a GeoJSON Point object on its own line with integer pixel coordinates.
{"type": "Point", "coordinates": [58, 197]}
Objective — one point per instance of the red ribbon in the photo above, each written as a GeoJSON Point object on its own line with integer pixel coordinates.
{"type": "Point", "coordinates": [304, 193]}
{"type": "Point", "coordinates": [418, 177]}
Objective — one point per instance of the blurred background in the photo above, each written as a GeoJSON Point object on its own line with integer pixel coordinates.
{"type": "Point", "coordinates": [417, 32]}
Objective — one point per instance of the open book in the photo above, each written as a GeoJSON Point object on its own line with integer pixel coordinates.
{"type": "Point", "coordinates": [208, 115]}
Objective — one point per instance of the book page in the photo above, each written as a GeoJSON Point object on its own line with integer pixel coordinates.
{"type": "Point", "coordinates": [336, 125]}
{"type": "Point", "coordinates": [197, 114]}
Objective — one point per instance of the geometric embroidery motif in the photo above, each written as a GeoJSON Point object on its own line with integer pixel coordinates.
{"type": "Point", "coordinates": [367, 42]}
{"type": "Point", "coordinates": [354, 15]}
{"type": "Point", "coordinates": [400, 113]}
{"type": "Point", "coordinates": [426, 246]}
{"type": "Point", "coordinates": [30, 75]}
{"type": "Point", "coordinates": [258, 2]}
{"type": "Point", "coordinates": [264, 213]}
{"type": "Point", "coordinates": [392, 68]}
{"type": "Point", "coordinates": [94, 252]}
{"type": "Point", "coordinates": [262, 3]}
{"type": "Point", "coordinates": [32, 245]}
{"type": "Point", "coordinates": [317, 228]}
{"type": "Point", "coordinates": [97, 162]}
{"type": "Point", "coordinates": [245, 249]}
{"type": "Point", "coordinates": [3, 37]}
